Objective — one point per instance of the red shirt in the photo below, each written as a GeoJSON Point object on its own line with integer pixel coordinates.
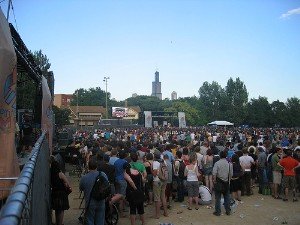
{"type": "Point", "coordinates": [288, 164]}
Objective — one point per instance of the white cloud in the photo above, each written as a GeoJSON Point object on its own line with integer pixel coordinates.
{"type": "Point", "coordinates": [290, 13]}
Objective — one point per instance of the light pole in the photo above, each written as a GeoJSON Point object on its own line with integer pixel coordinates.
{"type": "Point", "coordinates": [105, 80]}
{"type": "Point", "coordinates": [77, 110]}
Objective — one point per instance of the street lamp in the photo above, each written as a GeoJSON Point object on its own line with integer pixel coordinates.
{"type": "Point", "coordinates": [105, 80]}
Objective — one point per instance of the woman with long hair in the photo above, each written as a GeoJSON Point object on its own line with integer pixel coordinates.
{"type": "Point", "coordinates": [192, 174]}
{"type": "Point", "coordinates": [208, 164]}
{"type": "Point", "coordinates": [59, 194]}
{"type": "Point", "coordinates": [236, 181]}
{"type": "Point", "coordinates": [148, 161]}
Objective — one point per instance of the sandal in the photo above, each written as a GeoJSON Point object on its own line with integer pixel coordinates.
{"type": "Point", "coordinates": [295, 200]}
{"type": "Point", "coordinates": [197, 208]}
{"type": "Point", "coordinates": [189, 208]}
{"type": "Point", "coordinates": [278, 197]}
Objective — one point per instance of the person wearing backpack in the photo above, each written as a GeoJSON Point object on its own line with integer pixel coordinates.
{"type": "Point", "coordinates": [95, 209]}
{"type": "Point", "coordinates": [159, 171]}
{"type": "Point", "coordinates": [179, 168]}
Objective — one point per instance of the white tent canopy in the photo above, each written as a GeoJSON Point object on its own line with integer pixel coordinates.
{"type": "Point", "coordinates": [221, 123]}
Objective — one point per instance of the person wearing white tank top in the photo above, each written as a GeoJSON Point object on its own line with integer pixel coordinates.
{"type": "Point", "coordinates": [192, 174]}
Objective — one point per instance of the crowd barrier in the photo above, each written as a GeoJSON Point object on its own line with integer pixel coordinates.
{"type": "Point", "coordinates": [29, 200]}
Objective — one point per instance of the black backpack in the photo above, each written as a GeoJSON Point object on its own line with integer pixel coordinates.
{"type": "Point", "coordinates": [181, 169]}
{"type": "Point", "coordinates": [101, 189]}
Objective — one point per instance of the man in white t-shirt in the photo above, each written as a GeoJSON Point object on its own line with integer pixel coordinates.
{"type": "Point", "coordinates": [246, 161]}
{"type": "Point", "coordinates": [204, 195]}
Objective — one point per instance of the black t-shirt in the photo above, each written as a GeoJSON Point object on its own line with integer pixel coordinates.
{"type": "Point", "coordinates": [108, 169]}
{"type": "Point", "coordinates": [136, 178]}
{"type": "Point", "coordinates": [253, 166]}
{"type": "Point", "coordinates": [27, 129]}
{"type": "Point", "coordinates": [56, 182]}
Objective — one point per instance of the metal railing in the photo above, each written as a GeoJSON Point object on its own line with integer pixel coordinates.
{"type": "Point", "coordinates": [29, 200]}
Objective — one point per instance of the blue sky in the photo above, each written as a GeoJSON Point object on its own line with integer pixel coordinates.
{"type": "Point", "coordinates": [187, 41]}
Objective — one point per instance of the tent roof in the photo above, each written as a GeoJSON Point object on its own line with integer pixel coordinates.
{"type": "Point", "coordinates": [220, 123]}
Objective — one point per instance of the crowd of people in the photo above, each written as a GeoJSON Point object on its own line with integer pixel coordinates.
{"type": "Point", "coordinates": [162, 165]}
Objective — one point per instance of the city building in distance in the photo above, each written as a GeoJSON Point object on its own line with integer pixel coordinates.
{"type": "Point", "coordinates": [62, 100]}
{"type": "Point", "coordinates": [156, 86]}
{"type": "Point", "coordinates": [174, 95]}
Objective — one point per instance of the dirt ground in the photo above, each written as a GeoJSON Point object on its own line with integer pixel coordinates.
{"type": "Point", "coordinates": [256, 209]}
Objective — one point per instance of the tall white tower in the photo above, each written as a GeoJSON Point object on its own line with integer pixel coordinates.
{"type": "Point", "coordinates": [174, 95]}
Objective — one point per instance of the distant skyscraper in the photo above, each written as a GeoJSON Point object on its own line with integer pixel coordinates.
{"type": "Point", "coordinates": [174, 95]}
{"type": "Point", "coordinates": [156, 87]}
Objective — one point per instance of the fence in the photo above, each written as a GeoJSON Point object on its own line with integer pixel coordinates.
{"type": "Point", "coordinates": [29, 200]}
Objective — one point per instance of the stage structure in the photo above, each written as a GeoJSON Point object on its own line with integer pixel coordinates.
{"type": "Point", "coordinates": [161, 118]}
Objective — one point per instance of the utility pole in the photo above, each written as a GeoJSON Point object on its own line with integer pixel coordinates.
{"type": "Point", "coordinates": [105, 80]}
{"type": "Point", "coordinates": [77, 111]}
{"type": "Point", "coordinates": [8, 9]}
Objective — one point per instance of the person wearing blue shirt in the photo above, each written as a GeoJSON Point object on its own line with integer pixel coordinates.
{"type": "Point", "coordinates": [95, 210]}
{"type": "Point", "coordinates": [121, 184]}
{"type": "Point", "coordinates": [169, 153]}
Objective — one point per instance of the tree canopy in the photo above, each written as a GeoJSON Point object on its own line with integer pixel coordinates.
{"type": "Point", "coordinates": [214, 103]}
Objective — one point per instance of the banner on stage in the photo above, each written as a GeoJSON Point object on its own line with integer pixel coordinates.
{"type": "Point", "coordinates": [9, 167]}
{"type": "Point", "coordinates": [181, 118]}
{"type": "Point", "coordinates": [148, 119]}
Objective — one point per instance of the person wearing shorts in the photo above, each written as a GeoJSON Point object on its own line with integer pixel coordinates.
{"type": "Point", "coordinates": [277, 176]}
{"type": "Point", "coordinates": [159, 187]}
{"type": "Point", "coordinates": [192, 174]}
{"type": "Point", "coordinates": [289, 165]}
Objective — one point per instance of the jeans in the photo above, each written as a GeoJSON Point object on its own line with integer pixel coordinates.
{"type": "Point", "coordinates": [246, 179]}
{"type": "Point", "coordinates": [180, 189]}
{"type": "Point", "coordinates": [226, 196]}
{"type": "Point", "coordinates": [261, 179]}
{"type": "Point", "coordinates": [95, 213]}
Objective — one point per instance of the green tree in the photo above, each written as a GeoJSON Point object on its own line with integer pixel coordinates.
{"type": "Point", "coordinates": [236, 100]}
{"type": "Point", "coordinates": [211, 97]}
{"type": "Point", "coordinates": [191, 114]}
{"type": "Point", "coordinates": [196, 104]}
{"type": "Point", "coordinates": [146, 103]}
{"type": "Point", "coordinates": [27, 90]}
{"type": "Point", "coordinates": [61, 116]}
{"type": "Point", "coordinates": [293, 108]}
{"type": "Point", "coordinates": [280, 116]}
{"type": "Point", "coordinates": [42, 61]}
{"type": "Point", "coordinates": [259, 112]}
{"type": "Point", "coordinates": [90, 97]}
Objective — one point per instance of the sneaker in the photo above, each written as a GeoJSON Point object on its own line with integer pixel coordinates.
{"type": "Point", "coordinates": [228, 213]}
{"type": "Point", "coordinates": [217, 214]}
